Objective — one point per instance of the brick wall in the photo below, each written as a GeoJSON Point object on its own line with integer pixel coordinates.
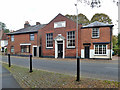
{"type": "Point", "coordinates": [49, 28]}
{"type": "Point", "coordinates": [86, 34]}
{"type": "Point", "coordinates": [21, 38]}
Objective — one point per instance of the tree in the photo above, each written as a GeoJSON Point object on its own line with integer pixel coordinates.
{"type": "Point", "coordinates": [6, 31]}
{"type": "Point", "coordinates": [101, 17]}
{"type": "Point", "coordinates": [82, 19]}
{"type": "Point", "coordinates": [2, 26]}
{"type": "Point", "coordinates": [119, 44]}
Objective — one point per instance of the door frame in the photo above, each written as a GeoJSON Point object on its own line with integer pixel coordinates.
{"type": "Point", "coordinates": [85, 53]}
{"type": "Point", "coordinates": [56, 48]}
{"type": "Point", "coordinates": [33, 50]}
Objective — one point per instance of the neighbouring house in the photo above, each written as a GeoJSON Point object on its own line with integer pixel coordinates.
{"type": "Point", "coordinates": [96, 41]}
{"type": "Point", "coordinates": [58, 39]}
{"type": "Point", "coordinates": [24, 41]}
{"type": "Point", "coordinates": [3, 41]}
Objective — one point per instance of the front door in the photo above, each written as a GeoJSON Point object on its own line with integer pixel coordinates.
{"type": "Point", "coordinates": [60, 49]}
{"type": "Point", "coordinates": [87, 51]}
{"type": "Point", "coordinates": [35, 51]}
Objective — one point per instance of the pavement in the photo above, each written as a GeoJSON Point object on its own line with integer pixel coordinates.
{"type": "Point", "coordinates": [99, 69]}
{"type": "Point", "coordinates": [8, 81]}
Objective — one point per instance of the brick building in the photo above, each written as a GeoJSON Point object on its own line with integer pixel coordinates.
{"type": "Point", "coordinates": [24, 41]}
{"type": "Point", "coordinates": [58, 39]}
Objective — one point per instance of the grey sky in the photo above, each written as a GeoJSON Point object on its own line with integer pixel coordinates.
{"type": "Point", "coordinates": [14, 13]}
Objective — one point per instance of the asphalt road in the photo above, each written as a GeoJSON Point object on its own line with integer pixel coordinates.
{"type": "Point", "coordinates": [107, 70]}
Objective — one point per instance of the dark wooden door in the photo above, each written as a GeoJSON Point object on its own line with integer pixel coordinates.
{"type": "Point", "coordinates": [35, 51]}
{"type": "Point", "coordinates": [87, 49]}
{"type": "Point", "coordinates": [39, 51]}
{"type": "Point", "coordinates": [60, 50]}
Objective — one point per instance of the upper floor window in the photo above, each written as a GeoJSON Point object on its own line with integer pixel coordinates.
{"type": "Point", "coordinates": [32, 37]}
{"type": "Point", "coordinates": [12, 38]}
{"type": "Point", "coordinates": [49, 40]}
{"type": "Point", "coordinates": [100, 49]}
{"type": "Point", "coordinates": [12, 49]}
{"type": "Point", "coordinates": [95, 33]}
{"type": "Point", "coordinates": [71, 39]}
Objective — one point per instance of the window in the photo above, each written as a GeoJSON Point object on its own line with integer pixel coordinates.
{"type": "Point", "coordinates": [71, 39]}
{"type": "Point", "coordinates": [32, 37]}
{"type": "Point", "coordinates": [49, 40]}
{"type": "Point", "coordinates": [100, 49]}
{"type": "Point", "coordinates": [25, 49]}
{"type": "Point", "coordinates": [95, 33]}
{"type": "Point", "coordinates": [12, 49]}
{"type": "Point", "coordinates": [12, 38]}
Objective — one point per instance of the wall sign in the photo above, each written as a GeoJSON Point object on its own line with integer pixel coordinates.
{"type": "Point", "coordinates": [60, 24]}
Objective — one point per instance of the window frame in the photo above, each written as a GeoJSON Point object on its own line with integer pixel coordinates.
{"type": "Point", "coordinates": [12, 38]}
{"type": "Point", "coordinates": [71, 39]}
{"type": "Point", "coordinates": [46, 41]}
{"type": "Point", "coordinates": [31, 36]}
{"type": "Point", "coordinates": [98, 33]}
{"type": "Point", "coordinates": [26, 48]}
{"type": "Point", "coordinates": [12, 48]}
{"type": "Point", "coordinates": [102, 49]}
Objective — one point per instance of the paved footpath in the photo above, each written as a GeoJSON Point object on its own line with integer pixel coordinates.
{"type": "Point", "coordinates": [8, 80]}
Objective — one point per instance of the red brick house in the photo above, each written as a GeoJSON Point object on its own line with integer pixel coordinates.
{"type": "Point", "coordinates": [24, 41]}
{"type": "Point", "coordinates": [96, 41]}
{"type": "Point", "coordinates": [58, 39]}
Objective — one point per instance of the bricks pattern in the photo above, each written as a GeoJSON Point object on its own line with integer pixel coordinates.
{"type": "Point", "coordinates": [18, 39]}
{"type": "Point", "coordinates": [86, 36]}
{"type": "Point", "coordinates": [49, 28]}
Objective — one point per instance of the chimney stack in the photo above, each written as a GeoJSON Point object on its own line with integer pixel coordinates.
{"type": "Point", "coordinates": [26, 24]}
{"type": "Point", "coordinates": [37, 23]}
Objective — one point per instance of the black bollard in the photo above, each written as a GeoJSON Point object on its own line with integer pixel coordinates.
{"type": "Point", "coordinates": [9, 60]}
{"type": "Point", "coordinates": [78, 69]}
{"type": "Point", "coordinates": [30, 64]}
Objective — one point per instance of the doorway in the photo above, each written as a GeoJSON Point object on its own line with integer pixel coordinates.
{"type": "Point", "coordinates": [35, 51]}
{"type": "Point", "coordinates": [60, 49]}
{"type": "Point", "coordinates": [87, 49]}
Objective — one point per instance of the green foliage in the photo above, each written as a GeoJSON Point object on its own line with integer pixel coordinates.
{"type": "Point", "coordinates": [2, 26]}
{"type": "Point", "coordinates": [101, 17]}
{"type": "Point", "coordinates": [82, 19]}
{"type": "Point", "coordinates": [6, 31]}
{"type": "Point", "coordinates": [119, 44]}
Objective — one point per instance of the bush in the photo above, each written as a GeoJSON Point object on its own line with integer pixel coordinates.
{"type": "Point", "coordinates": [118, 52]}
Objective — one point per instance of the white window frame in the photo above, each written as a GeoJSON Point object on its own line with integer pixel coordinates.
{"type": "Point", "coordinates": [98, 33]}
{"type": "Point", "coordinates": [11, 49]}
{"type": "Point", "coordinates": [46, 40]}
{"type": "Point", "coordinates": [31, 35]}
{"type": "Point", "coordinates": [12, 38]}
{"type": "Point", "coordinates": [102, 49]}
{"type": "Point", "coordinates": [67, 40]}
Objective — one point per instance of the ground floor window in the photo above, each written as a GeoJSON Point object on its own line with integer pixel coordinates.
{"type": "Point", "coordinates": [12, 49]}
{"type": "Point", "coordinates": [25, 49]}
{"type": "Point", "coordinates": [100, 49]}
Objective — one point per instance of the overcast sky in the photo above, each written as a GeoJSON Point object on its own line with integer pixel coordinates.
{"type": "Point", "coordinates": [14, 13]}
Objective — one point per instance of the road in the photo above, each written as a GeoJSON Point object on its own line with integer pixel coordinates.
{"type": "Point", "coordinates": [105, 70]}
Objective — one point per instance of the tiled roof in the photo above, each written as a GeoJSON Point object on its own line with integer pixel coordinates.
{"type": "Point", "coordinates": [34, 28]}
{"type": "Point", "coordinates": [97, 24]}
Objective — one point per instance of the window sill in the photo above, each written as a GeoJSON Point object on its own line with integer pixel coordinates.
{"type": "Point", "coordinates": [100, 54]}
{"type": "Point", "coordinates": [70, 47]}
{"type": "Point", "coordinates": [49, 47]}
{"type": "Point", "coordinates": [95, 37]}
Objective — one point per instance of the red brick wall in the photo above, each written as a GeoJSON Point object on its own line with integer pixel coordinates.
{"type": "Point", "coordinates": [86, 35]}
{"type": "Point", "coordinates": [49, 28]}
{"type": "Point", "coordinates": [21, 38]}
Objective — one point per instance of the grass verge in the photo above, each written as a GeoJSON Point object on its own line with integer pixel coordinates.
{"type": "Point", "coordinates": [44, 79]}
